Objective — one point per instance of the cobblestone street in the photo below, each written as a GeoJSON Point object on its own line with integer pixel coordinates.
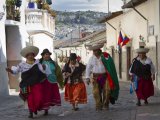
{"type": "Point", "coordinates": [11, 107]}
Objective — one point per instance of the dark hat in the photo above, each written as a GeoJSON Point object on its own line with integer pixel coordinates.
{"type": "Point", "coordinates": [73, 56]}
{"type": "Point", "coordinates": [46, 51]}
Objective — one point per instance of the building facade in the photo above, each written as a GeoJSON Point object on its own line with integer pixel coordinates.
{"type": "Point", "coordinates": [139, 20]}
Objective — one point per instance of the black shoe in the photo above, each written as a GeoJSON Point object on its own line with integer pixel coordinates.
{"type": "Point", "coordinates": [146, 102]}
{"type": "Point", "coordinates": [30, 115]}
{"type": "Point", "coordinates": [35, 113]}
{"type": "Point", "coordinates": [138, 103]}
{"type": "Point", "coordinates": [45, 112]}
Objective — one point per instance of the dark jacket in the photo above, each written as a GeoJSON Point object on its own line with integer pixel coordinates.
{"type": "Point", "coordinates": [32, 77]}
{"type": "Point", "coordinates": [76, 74]}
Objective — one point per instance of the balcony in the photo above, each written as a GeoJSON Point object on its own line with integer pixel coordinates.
{"type": "Point", "coordinates": [39, 20]}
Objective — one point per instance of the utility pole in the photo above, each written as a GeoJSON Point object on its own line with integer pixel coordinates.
{"type": "Point", "coordinates": [108, 6]}
{"type": "Point", "coordinates": [79, 25]}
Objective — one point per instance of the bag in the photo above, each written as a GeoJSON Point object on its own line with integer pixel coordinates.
{"type": "Point", "coordinates": [131, 88]}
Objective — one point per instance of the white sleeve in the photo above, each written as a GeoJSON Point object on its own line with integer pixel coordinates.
{"type": "Point", "coordinates": [16, 69]}
{"type": "Point", "coordinates": [149, 61]}
{"type": "Point", "coordinates": [89, 68]}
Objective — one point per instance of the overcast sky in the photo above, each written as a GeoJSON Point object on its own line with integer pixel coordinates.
{"type": "Point", "coordinates": [84, 5]}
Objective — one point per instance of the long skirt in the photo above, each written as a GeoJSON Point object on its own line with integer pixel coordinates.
{"type": "Point", "coordinates": [51, 95]}
{"type": "Point", "coordinates": [145, 89]}
{"type": "Point", "coordinates": [35, 98]}
{"type": "Point", "coordinates": [76, 93]}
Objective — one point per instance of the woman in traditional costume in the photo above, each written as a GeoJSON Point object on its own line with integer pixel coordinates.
{"type": "Point", "coordinates": [50, 85]}
{"type": "Point", "coordinates": [32, 77]}
{"type": "Point", "coordinates": [75, 89]}
{"type": "Point", "coordinates": [144, 70]}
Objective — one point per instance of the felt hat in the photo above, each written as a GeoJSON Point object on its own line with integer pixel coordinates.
{"type": "Point", "coordinates": [46, 51]}
{"type": "Point", "coordinates": [73, 56]}
{"type": "Point", "coordinates": [142, 49]}
{"type": "Point", "coordinates": [29, 49]}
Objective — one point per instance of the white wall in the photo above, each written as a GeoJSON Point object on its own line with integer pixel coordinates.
{"type": "Point", "coordinates": [134, 25]}
{"type": "Point", "coordinates": [3, 64]}
{"type": "Point", "coordinates": [43, 41]}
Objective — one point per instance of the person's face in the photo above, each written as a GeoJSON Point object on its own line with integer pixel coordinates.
{"type": "Point", "coordinates": [73, 62]}
{"type": "Point", "coordinates": [96, 53]}
{"type": "Point", "coordinates": [46, 56]}
{"type": "Point", "coordinates": [142, 55]}
{"type": "Point", "coordinates": [30, 56]}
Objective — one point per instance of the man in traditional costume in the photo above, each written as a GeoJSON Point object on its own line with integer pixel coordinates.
{"type": "Point", "coordinates": [104, 77]}
{"type": "Point", "coordinates": [144, 70]}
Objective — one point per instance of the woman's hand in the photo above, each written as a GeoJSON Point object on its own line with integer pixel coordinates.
{"type": "Point", "coordinates": [153, 77]}
{"type": "Point", "coordinates": [9, 70]}
{"type": "Point", "coordinates": [44, 66]}
{"type": "Point", "coordinates": [66, 74]}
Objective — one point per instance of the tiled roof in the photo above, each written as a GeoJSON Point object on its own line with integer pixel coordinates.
{"type": "Point", "coordinates": [110, 16]}
{"type": "Point", "coordinates": [133, 3]}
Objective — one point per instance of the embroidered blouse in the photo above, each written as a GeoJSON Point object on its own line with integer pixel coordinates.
{"type": "Point", "coordinates": [23, 66]}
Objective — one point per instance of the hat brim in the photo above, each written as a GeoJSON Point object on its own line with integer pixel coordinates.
{"type": "Point", "coordinates": [95, 47]}
{"type": "Point", "coordinates": [142, 50]}
{"type": "Point", "coordinates": [45, 53]}
{"type": "Point", "coordinates": [29, 49]}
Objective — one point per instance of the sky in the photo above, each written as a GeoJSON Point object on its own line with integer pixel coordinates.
{"type": "Point", "coordinates": [85, 5]}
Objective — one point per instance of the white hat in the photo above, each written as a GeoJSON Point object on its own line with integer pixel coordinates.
{"type": "Point", "coordinates": [142, 50]}
{"type": "Point", "coordinates": [95, 47]}
{"type": "Point", "coordinates": [29, 49]}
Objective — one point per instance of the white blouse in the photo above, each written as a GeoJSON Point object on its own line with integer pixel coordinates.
{"type": "Point", "coordinates": [94, 65]}
{"type": "Point", "coordinates": [23, 66]}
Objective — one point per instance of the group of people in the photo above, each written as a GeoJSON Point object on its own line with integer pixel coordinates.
{"type": "Point", "coordinates": [42, 78]}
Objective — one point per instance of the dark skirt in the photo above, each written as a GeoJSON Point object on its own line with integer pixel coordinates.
{"type": "Point", "coordinates": [145, 88]}
{"type": "Point", "coordinates": [51, 95]}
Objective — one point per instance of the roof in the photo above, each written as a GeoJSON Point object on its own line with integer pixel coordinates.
{"type": "Point", "coordinates": [110, 16]}
{"type": "Point", "coordinates": [75, 43]}
{"type": "Point", "coordinates": [133, 3]}
{"type": "Point", "coordinates": [92, 35]}
{"type": "Point", "coordinates": [65, 43]}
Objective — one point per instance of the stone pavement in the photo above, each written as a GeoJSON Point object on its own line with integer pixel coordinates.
{"type": "Point", "coordinates": [11, 107]}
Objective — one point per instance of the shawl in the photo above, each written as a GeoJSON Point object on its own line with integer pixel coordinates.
{"type": "Point", "coordinates": [111, 76]}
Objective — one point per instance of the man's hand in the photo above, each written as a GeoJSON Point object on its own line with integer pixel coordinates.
{"type": "Point", "coordinates": [87, 81]}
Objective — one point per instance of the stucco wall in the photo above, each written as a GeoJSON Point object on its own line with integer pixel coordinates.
{"type": "Point", "coordinates": [3, 64]}
{"type": "Point", "coordinates": [133, 25]}
{"type": "Point", "coordinates": [15, 41]}
{"type": "Point", "coordinates": [43, 41]}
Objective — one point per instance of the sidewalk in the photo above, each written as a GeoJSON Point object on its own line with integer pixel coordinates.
{"type": "Point", "coordinates": [11, 107]}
